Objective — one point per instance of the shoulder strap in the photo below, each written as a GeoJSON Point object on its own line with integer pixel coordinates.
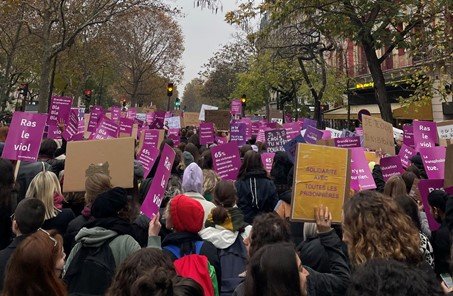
{"type": "Point", "coordinates": [198, 246]}
{"type": "Point", "coordinates": [174, 250]}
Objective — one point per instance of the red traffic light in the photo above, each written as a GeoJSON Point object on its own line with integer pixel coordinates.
{"type": "Point", "coordinates": [88, 92]}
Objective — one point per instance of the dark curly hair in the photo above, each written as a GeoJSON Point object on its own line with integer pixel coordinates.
{"type": "Point", "coordinates": [267, 229]}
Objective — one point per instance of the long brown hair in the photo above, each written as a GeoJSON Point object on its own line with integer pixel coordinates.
{"type": "Point", "coordinates": [376, 227]}
{"type": "Point", "coordinates": [32, 267]}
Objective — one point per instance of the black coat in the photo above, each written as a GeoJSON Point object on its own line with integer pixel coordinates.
{"type": "Point", "coordinates": [73, 228]}
{"type": "Point", "coordinates": [256, 194]}
{"type": "Point", "coordinates": [378, 178]}
{"type": "Point", "coordinates": [5, 254]}
{"type": "Point", "coordinates": [440, 240]}
{"type": "Point", "coordinates": [5, 226]}
{"type": "Point", "coordinates": [60, 223]}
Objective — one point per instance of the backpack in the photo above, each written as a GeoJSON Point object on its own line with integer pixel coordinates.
{"type": "Point", "coordinates": [91, 270]}
{"type": "Point", "coordinates": [196, 267]}
{"type": "Point", "coordinates": [233, 262]}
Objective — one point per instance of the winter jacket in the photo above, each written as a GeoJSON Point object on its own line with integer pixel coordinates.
{"type": "Point", "coordinates": [5, 254]}
{"type": "Point", "coordinates": [440, 240]}
{"type": "Point", "coordinates": [378, 178]}
{"type": "Point", "coordinates": [256, 194]}
{"type": "Point", "coordinates": [73, 228]}
{"type": "Point", "coordinates": [60, 223]}
{"type": "Point", "coordinates": [207, 205]}
{"type": "Point", "coordinates": [5, 226]}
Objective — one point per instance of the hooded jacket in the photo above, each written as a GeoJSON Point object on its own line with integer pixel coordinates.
{"type": "Point", "coordinates": [256, 194]}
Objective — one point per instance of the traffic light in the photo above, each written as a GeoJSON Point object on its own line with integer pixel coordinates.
{"type": "Point", "coordinates": [123, 102]}
{"type": "Point", "coordinates": [23, 89]}
{"type": "Point", "coordinates": [88, 93]}
{"type": "Point", "coordinates": [244, 100]}
{"type": "Point", "coordinates": [177, 104]}
{"type": "Point", "coordinates": [169, 89]}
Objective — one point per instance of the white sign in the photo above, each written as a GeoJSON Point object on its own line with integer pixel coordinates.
{"type": "Point", "coordinates": [397, 133]}
{"type": "Point", "coordinates": [445, 129]}
{"type": "Point", "coordinates": [173, 122]}
{"type": "Point", "coordinates": [204, 108]}
{"type": "Point", "coordinates": [277, 120]}
{"type": "Point", "coordinates": [335, 133]}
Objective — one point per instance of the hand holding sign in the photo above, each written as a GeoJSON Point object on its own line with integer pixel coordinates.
{"type": "Point", "coordinates": [323, 219]}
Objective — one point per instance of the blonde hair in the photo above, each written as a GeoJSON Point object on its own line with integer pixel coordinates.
{"type": "Point", "coordinates": [44, 186]}
{"type": "Point", "coordinates": [210, 180]}
{"type": "Point", "coordinates": [376, 227]}
{"type": "Point", "coordinates": [96, 184]}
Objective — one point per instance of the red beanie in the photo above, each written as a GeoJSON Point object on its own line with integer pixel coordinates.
{"type": "Point", "coordinates": [186, 214]}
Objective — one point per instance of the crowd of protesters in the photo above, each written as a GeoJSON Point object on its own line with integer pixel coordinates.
{"type": "Point", "coordinates": [215, 237]}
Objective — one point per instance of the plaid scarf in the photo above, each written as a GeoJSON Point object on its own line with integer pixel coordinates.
{"type": "Point", "coordinates": [234, 222]}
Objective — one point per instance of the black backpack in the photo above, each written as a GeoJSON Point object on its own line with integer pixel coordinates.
{"type": "Point", "coordinates": [91, 270]}
{"type": "Point", "coordinates": [233, 262]}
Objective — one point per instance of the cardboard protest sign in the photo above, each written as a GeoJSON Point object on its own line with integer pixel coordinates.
{"type": "Point", "coordinates": [449, 167]}
{"type": "Point", "coordinates": [156, 192]}
{"type": "Point", "coordinates": [319, 181]}
{"type": "Point", "coordinates": [226, 160]}
{"type": "Point", "coordinates": [391, 166]}
{"type": "Point", "coordinates": [221, 118]}
{"type": "Point", "coordinates": [191, 119]}
{"type": "Point", "coordinates": [267, 159]}
{"type": "Point", "coordinates": [275, 139]}
{"type": "Point", "coordinates": [147, 156]}
{"type": "Point", "coordinates": [425, 134]}
{"type": "Point", "coordinates": [203, 109]}
{"type": "Point", "coordinates": [425, 187]}
{"type": "Point", "coordinates": [291, 146]}
{"type": "Point", "coordinates": [116, 154]}
{"type": "Point", "coordinates": [206, 133]}
{"type": "Point", "coordinates": [107, 129]}
{"type": "Point", "coordinates": [312, 135]}
{"type": "Point", "coordinates": [173, 122]}
{"type": "Point", "coordinates": [361, 177]}
{"type": "Point", "coordinates": [126, 127]}
{"type": "Point", "coordinates": [445, 129]}
{"type": "Point", "coordinates": [59, 109]}
{"type": "Point", "coordinates": [95, 116]}
{"type": "Point", "coordinates": [406, 154]}
{"type": "Point", "coordinates": [335, 133]}
{"type": "Point", "coordinates": [238, 133]}
{"type": "Point", "coordinates": [370, 156]}
{"type": "Point", "coordinates": [236, 107]}
{"type": "Point", "coordinates": [24, 136]}
{"type": "Point", "coordinates": [378, 134]}
{"type": "Point", "coordinates": [292, 129]}
{"type": "Point", "coordinates": [350, 142]}
{"type": "Point", "coordinates": [434, 161]}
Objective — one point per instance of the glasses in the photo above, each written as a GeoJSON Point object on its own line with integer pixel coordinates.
{"type": "Point", "coordinates": [12, 217]}
{"type": "Point", "coordinates": [51, 238]}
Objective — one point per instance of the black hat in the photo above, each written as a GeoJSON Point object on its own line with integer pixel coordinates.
{"type": "Point", "coordinates": [109, 203]}
{"type": "Point", "coordinates": [438, 199]}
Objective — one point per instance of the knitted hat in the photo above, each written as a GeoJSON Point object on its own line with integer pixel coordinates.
{"type": "Point", "coordinates": [188, 158]}
{"type": "Point", "coordinates": [438, 199]}
{"type": "Point", "coordinates": [186, 214]}
{"type": "Point", "coordinates": [192, 179]}
{"type": "Point", "coordinates": [109, 203]}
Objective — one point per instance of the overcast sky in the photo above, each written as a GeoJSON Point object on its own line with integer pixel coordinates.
{"type": "Point", "coordinates": [204, 33]}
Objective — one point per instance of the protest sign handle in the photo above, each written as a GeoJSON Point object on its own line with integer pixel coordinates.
{"type": "Point", "coordinates": [16, 170]}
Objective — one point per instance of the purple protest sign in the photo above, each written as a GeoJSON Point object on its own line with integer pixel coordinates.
{"type": "Point", "coordinates": [173, 131]}
{"type": "Point", "coordinates": [275, 139]}
{"type": "Point", "coordinates": [312, 135]}
{"type": "Point", "coordinates": [238, 133]}
{"type": "Point", "coordinates": [261, 136]}
{"type": "Point", "coordinates": [267, 159]}
{"type": "Point", "coordinates": [351, 142]}
{"type": "Point", "coordinates": [391, 166]}
{"type": "Point", "coordinates": [206, 133]}
{"type": "Point", "coordinates": [236, 107]}
{"type": "Point", "coordinates": [53, 132]}
{"type": "Point", "coordinates": [107, 129]}
{"type": "Point", "coordinates": [151, 138]}
{"type": "Point", "coordinates": [226, 160]}
{"type": "Point", "coordinates": [95, 116]}
{"type": "Point", "coordinates": [309, 122]}
{"type": "Point", "coordinates": [292, 129]}
{"type": "Point", "coordinates": [221, 140]}
{"type": "Point", "coordinates": [116, 113]}
{"type": "Point", "coordinates": [256, 125]}
{"type": "Point", "coordinates": [291, 146]}
{"type": "Point", "coordinates": [288, 118]}
{"type": "Point", "coordinates": [406, 154]}
{"type": "Point", "coordinates": [126, 126]}
{"type": "Point", "coordinates": [248, 127]}
{"type": "Point", "coordinates": [153, 200]}
{"type": "Point", "coordinates": [59, 109]}
{"type": "Point", "coordinates": [131, 113]}
{"type": "Point", "coordinates": [434, 161]}
{"type": "Point", "coordinates": [72, 128]}
{"type": "Point", "coordinates": [24, 136]}
{"type": "Point", "coordinates": [326, 135]}
{"type": "Point", "coordinates": [361, 177]}
{"type": "Point", "coordinates": [149, 117]}
{"type": "Point", "coordinates": [176, 139]}
{"type": "Point", "coordinates": [425, 134]}
{"type": "Point", "coordinates": [425, 187]}
{"type": "Point", "coordinates": [408, 135]}
{"type": "Point", "coordinates": [158, 120]}
{"type": "Point", "coordinates": [147, 156]}
{"type": "Point", "coordinates": [359, 131]}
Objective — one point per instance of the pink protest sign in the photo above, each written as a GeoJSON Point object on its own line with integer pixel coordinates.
{"type": "Point", "coordinates": [292, 129]}
{"type": "Point", "coordinates": [326, 135]}
{"type": "Point", "coordinates": [406, 154]}
{"type": "Point", "coordinates": [288, 118]}
{"type": "Point", "coordinates": [72, 128]}
{"type": "Point", "coordinates": [158, 120]}
{"type": "Point", "coordinates": [206, 133]}
{"type": "Point", "coordinates": [359, 131]}
{"type": "Point", "coordinates": [226, 160]}
{"type": "Point", "coordinates": [24, 136]}
{"type": "Point", "coordinates": [425, 134]}
{"type": "Point", "coordinates": [95, 116]}
{"type": "Point", "coordinates": [151, 138]}
{"type": "Point", "coordinates": [308, 122]}
{"type": "Point", "coordinates": [408, 135]}
{"type": "Point", "coordinates": [351, 142]}
{"type": "Point", "coordinates": [256, 125]}
{"type": "Point", "coordinates": [434, 161]}
{"type": "Point", "coordinates": [107, 129]}
{"type": "Point", "coordinates": [147, 156]}
{"type": "Point", "coordinates": [221, 140]}
{"type": "Point", "coordinates": [176, 139]}
{"type": "Point", "coordinates": [248, 127]}
{"type": "Point", "coordinates": [126, 125]}
{"type": "Point", "coordinates": [116, 113]}
{"type": "Point", "coordinates": [53, 132]}
{"type": "Point", "coordinates": [425, 187]}
{"type": "Point", "coordinates": [131, 113]}
{"type": "Point", "coordinates": [312, 135]}
{"type": "Point", "coordinates": [275, 139]}
{"type": "Point", "coordinates": [391, 166]}
{"type": "Point", "coordinates": [59, 109]}
{"type": "Point", "coordinates": [361, 178]}
{"type": "Point", "coordinates": [236, 107]}
{"type": "Point", "coordinates": [173, 131]}
{"type": "Point", "coordinates": [238, 133]}
{"type": "Point", "coordinates": [155, 195]}
{"type": "Point", "coordinates": [267, 159]}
